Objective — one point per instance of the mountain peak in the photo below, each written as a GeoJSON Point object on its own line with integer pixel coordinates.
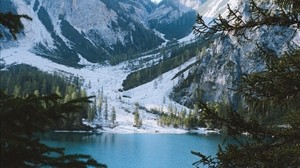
{"type": "Point", "coordinates": [102, 30]}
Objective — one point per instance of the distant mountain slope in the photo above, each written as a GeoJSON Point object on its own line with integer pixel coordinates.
{"type": "Point", "coordinates": [98, 30]}
{"type": "Point", "coordinates": [174, 18]}
{"type": "Point", "coordinates": [220, 66]}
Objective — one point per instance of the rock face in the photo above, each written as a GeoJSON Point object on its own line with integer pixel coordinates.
{"type": "Point", "coordinates": [174, 18]}
{"type": "Point", "coordinates": [97, 30]}
{"type": "Point", "coordinates": [68, 31]}
{"type": "Point", "coordinates": [221, 66]}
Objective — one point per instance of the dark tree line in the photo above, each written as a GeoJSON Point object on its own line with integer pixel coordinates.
{"type": "Point", "coordinates": [177, 57]}
{"type": "Point", "coordinates": [23, 117]}
{"type": "Point", "coordinates": [268, 144]}
{"type": "Point", "coordinates": [181, 120]}
{"type": "Point", "coordinates": [22, 80]}
{"type": "Point", "coordinates": [12, 22]}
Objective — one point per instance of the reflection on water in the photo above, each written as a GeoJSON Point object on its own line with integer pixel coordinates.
{"type": "Point", "coordinates": [137, 150]}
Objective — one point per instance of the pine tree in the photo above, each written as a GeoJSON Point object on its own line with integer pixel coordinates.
{"type": "Point", "coordinates": [44, 87]}
{"type": "Point", "coordinates": [12, 22]}
{"type": "Point", "coordinates": [57, 91]}
{"type": "Point", "coordinates": [113, 116]}
{"type": "Point", "coordinates": [182, 116]}
{"type": "Point", "coordinates": [100, 103]}
{"type": "Point", "coordinates": [22, 118]}
{"type": "Point", "coordinates": [105, 109]}
{"type": "Point", "coordinates": [268, 145]}
{"type": "Point", "coordinates": [137, 119]}
{"type": "Point", "coordinates": [92, 111]}
{"type": "Point", "coordinates": [17, 92]}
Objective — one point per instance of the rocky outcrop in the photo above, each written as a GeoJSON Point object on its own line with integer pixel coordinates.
{"type": "Point", "coordinates": [221, 66]}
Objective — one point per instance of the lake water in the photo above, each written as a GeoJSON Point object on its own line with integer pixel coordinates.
{"type": "Point", "coordinates": [137, 150]}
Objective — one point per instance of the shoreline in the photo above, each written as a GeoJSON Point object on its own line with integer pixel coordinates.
{"type": "Point", "coordinates": [200, 131]}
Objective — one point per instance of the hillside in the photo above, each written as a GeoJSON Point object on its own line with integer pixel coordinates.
{"type": "Point", "coordinates": [139, 53]}
{"type": "Point", "coordinates": [222, 64]}
{"type": "Point", "coordinates": [99, 31]}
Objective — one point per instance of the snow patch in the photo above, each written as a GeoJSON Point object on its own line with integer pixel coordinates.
{"type": "Point", "coordinates": [150, 95]}
{"type": "Point", "coordinates": [156, 1]}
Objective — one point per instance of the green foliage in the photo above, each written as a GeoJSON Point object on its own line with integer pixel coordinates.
{"type": "Point", "coordinates": [105, 109]}
{"type": "Point", "coordinates": [137, 120]}
{"type": "Point", "coordinates": [21, 118]}
{"type": "Point", "coordinates": [286, 14]}
{"type": "Point", "coordinates": [180, 119]}
{"type": "Point", "coordinates": [265, 141]}
{"type": "Point", "coordinates": [92, 111]}
{"type": "Point", "coordinates": [272, 92]}
{"type": "Point", "coordinates": [12, 22]}
{"type": "Point", "coordinates": [23, 80]}
{"type": "Point", "coordinates": [177, 57]}
{"type": "Point", "coordinates": [113, 116]}
{"type": "Point", "coordinates": [28, 79]}
{"type": "Point", "coordinates": [100, 103]}
{"type": "Point", "coordinates": [284, 72]}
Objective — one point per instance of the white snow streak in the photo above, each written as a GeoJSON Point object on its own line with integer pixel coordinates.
{"type": "Point", "coordinates": [110, 78]}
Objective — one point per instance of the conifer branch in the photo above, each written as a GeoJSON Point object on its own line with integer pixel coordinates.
{"type": "Point", "coordinates": [12, 22]}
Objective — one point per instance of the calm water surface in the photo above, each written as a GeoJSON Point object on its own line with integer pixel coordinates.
{"type": "Point", "coordinates": [137, 150]}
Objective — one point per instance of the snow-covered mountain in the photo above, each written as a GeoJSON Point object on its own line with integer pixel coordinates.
{"type": "Point", "coordinates": [96, 30]}
{"type": "Point", "coordinates": [223, 62]}
{"type": "Point", "coordinates": [174, 13]}
{"type": "Point", "coordinates": [83, 33]}
{"type": "Point", "coordinates": [99, 30]}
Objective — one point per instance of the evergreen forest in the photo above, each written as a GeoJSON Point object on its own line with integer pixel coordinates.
{"type": "Point", "coordinates": [172, 57]}
{"type": "Point", "coordinates": [23, 80]}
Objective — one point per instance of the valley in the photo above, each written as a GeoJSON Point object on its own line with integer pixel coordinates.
{"type": "Point", "coordinates": [150, 83]}
{"type": "Point", "coordinates": [128, 52]}
{"type": "Point", "coordinates": [56, 42]}
{"type": "Point", "coordinates": [152, 95]}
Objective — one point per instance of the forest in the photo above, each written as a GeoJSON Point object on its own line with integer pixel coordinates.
{"type": "Point", "coordinates": [268, 112]}
{"type": "Point", "coordinates": [23, 80]}
{"type": "Point", "coordinates": [171, 59]}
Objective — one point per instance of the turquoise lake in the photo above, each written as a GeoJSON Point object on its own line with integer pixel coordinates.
{"type": "Point", "coordinates": [137, 150]}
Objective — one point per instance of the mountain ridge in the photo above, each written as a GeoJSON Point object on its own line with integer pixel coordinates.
{"type": "Point", "coordinates": [212, 73]}
{"type": "Point", "coordinates": [98, 31]}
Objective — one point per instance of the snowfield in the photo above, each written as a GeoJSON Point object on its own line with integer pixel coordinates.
{"type": "Point", "coordinates": [152, 95]}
